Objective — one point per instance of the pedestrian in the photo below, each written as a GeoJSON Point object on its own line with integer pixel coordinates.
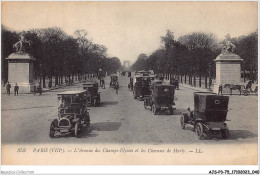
{"type": "Point", "coordinates": [220, 89]}
{"type": "Point", "coordinates": [8, 87]}
{"type": "Point", "coordinates": [210, 82]}
{"type": "Point", "coordinates": [16, 89]}
{"type": "Point", "coordinates": [50, 84]}
{"type": "Point", "coordinates": [116, 87]}
{"type": "Point", "coordinates": [103, 83]}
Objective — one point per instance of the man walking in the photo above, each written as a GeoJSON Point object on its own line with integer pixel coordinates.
{"type": "Point", "coordinates": [116, 87]}
{"type": "Point", "coordinates": [220, 89]}
{"type": "Point", "coordinates": [8, 87]}
{"type": "Point", "coordinates": [16, 89]}
{"type": "Point", "coordinates": [103, 83]}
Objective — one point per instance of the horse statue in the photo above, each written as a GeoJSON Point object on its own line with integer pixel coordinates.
{"type": "Point", "coordinates": [228, 47]}
{"type": "Point", "coordinates": [22, 45]}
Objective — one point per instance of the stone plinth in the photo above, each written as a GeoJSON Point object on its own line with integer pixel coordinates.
{"type": "Point", "coordinates": [20, 71]}
{"type": "Point", "coordinates": [228, 70]}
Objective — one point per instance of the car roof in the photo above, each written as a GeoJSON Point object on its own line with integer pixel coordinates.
{"type": "Point", "coordinates": [90, 82]}
{"type": "Point", "coordinates": [204, 93]}
{"type": "Point", "coordinates": [163, 85]}
{"type": "Point", "coordinates": [71, 92]}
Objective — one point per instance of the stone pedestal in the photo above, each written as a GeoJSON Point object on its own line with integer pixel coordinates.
{"type": "Point", "coordinates": [20, 71]}
{"type": "Point", "coordinates": [228, 70]}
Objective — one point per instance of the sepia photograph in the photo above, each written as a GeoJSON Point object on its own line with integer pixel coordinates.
{"type": "Point", "coordinates": [129, 83]}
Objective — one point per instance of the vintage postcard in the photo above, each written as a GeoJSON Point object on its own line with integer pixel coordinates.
{"type": "Point", "coordinates": [129, 83]}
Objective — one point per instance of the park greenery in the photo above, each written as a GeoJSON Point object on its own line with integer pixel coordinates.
{"type": "Point", "coordinates": [60, 55]}
{"type": "Point", "coordinates": [193, 55]}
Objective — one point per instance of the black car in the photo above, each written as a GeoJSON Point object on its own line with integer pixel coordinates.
{"type": "Point", "coordinates": [161, 98]}
{"type": "Point", "coordinates": [209, 115]}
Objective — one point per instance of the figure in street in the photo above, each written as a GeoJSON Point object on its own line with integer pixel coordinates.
{"type": "Point", "coordinates": [103, 83]}
{"type": "Point", "coordinates": [8, 87]}
{"type": "Point", "coordinates": [50, 84]}
{"type": "Point", "coordinates": [116, 87]}
{"type": "Point", "coordinates": [220, 89]}
{"type": "Point", "coordinates": [16, 89]}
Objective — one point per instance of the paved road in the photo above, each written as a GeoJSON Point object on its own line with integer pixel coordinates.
{"type": "Point", "coordinates": [120, 119]}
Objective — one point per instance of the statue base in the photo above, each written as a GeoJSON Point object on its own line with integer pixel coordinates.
{"type": "Point", "coordinates": [228, 70]}
{"type": "Point", "coordinates": [20, 71]}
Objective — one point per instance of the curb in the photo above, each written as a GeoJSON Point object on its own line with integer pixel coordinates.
{"type": "Point", "coordinates": [195, 88]}
{"type": "Point", "coordinates": [191, 87]}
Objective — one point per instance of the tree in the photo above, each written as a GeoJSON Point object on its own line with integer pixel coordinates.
{"type": "Point", "coordinates": [8, 39]}
{"type": "Point", "coordinates": [247, 48]}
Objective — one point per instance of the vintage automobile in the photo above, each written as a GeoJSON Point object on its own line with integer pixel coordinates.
{"type": "Point", "coordinates": [123, 73]}
{"type": "Point", "coordinates": [131, 85]}
{"type": "Point", "coordinates": [129, 73]}
{"type": "Point", "coordinates": [141, 86]}
{"type": "Point", "coordinates": [73, 115]}
{"type": "Point", "coordinates": [142, 72]}
{"type": "Point", "coordinates": [37, 89]}
{"type": "Point", "coordinates": [92, 94]}
{"type": "Point", "coordinates": [114, 79]}
{"type": "Point", "coordinates": [209, 115]}
{"type": "Point", "coordinates": [174, 82]}
{"type": "Point", "coordinates": [161, 98]}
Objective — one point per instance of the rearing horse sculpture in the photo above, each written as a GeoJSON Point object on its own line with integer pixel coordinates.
{"type": "Point", "coordinates": [22, 45]}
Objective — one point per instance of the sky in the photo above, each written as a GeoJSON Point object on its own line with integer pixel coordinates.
{"type": "Point", "coordinates": [128, 29]}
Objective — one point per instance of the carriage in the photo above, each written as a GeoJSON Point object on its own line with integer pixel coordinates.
{"type": "Point", "coordinates": [248, 89]}
{"type": "Point", "coordinates": [114, 79]}
{"type": "Point", "coordinates": [208, 116]}
{"type": "Point", "coordinates": [92, 94]}
{"type": "Point", "coordinates": [174, 82]}
{"type": "Point", "coordinates": [73, 115]}
{"type": "Point", "coordinates": [161, 98]}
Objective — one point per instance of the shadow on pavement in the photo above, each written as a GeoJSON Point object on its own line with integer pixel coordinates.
{"type": "Point", "coordinates": [105, 126]}
{"type": "Point", "coordinates": [240, 134]}
{"type": "Point", "coordinates": [105, 103]}
{"type": "Point", "coordinates": [178, 111]}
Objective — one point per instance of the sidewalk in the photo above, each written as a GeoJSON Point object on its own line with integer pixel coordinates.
{"type": "Point", "coordinates": [3, 89]}
{"type": "Point", "coordinates": [191, 87]}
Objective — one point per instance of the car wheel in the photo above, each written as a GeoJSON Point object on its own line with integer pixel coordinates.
{"type": "Point", "coordinates": [199, 130]}
{"type": "Point", "coordinates": [78, 130]}
{"type": "Point", "coordinates": [225, 133]}
{"type": "Point", "coordinates": [145, 105]}
{"type": "Point", "coordinates": [94, 102]}
{"type": "Point", "coordinates": [54, 124]}
{"type": "Point", "coordinates": [182, 122]}
{"type": "Point", "coordinates": [135, 97]}
{"type": "Point", "coordinates": [154, 110]}
{"type": "Point", "coordinates": [245, 93]}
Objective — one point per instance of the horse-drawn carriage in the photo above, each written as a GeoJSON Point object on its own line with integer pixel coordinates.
{"type": "Point", "coordinates": [243, 89]}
